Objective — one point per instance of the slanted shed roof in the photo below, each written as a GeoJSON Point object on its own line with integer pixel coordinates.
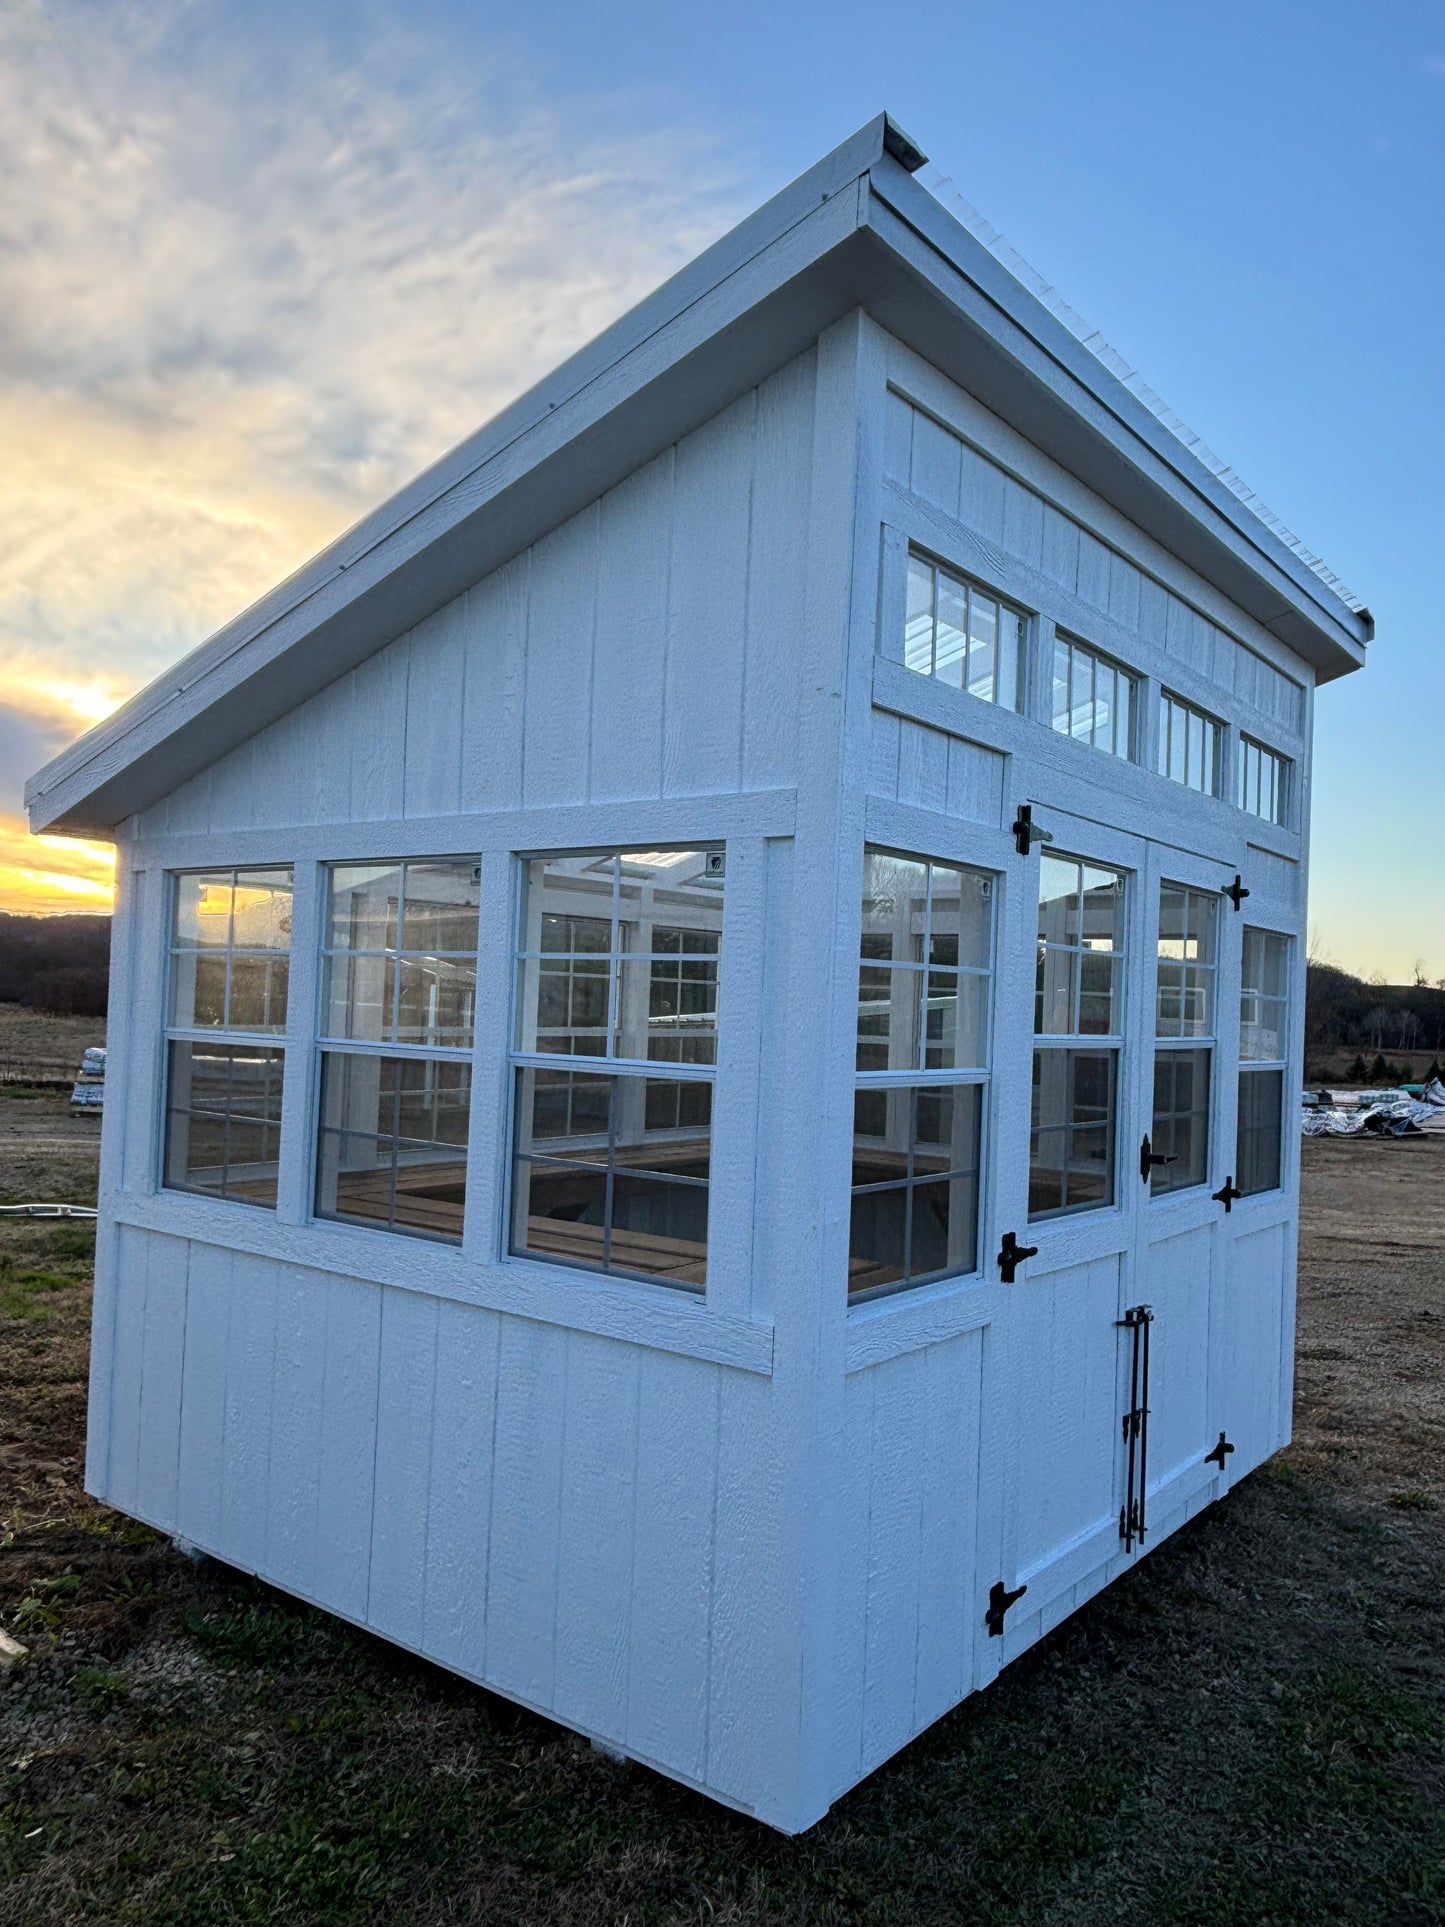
{"type": "Point", "coordinates": [855, 231]}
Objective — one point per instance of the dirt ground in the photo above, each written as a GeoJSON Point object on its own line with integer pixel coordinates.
{"type": "Point", "coordinates": [1248, 1730]}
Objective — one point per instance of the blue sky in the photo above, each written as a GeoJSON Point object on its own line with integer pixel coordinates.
{"type": "Point", "coordinates": [309, 246]}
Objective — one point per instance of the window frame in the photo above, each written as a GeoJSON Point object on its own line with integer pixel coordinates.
{"type": "Point", "coordinates": [1282, 784]}
{"type": "Point", "coordinates": [607, 1064]}
{"type": "Point", "coordinates": [1026, 619]}
{"type": "Point", "coordinates": [1278, 1066]}
{"type": "Point", "coordinates": [224, 1036]}
{"type": "Point", "coordinates": [323, 1045]}
{"type": "Point", "coordinates": [914, 1080]}
{"type": "Point", "coordinates": [1177, 1043]}
{"type": "Point", "coordinates": [1076, 648]}
{"type": "Point", "coordinates": [1215, 733]}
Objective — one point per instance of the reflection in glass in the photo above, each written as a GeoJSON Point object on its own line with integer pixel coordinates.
{"type": "Point", "coordinates": [1180, 1128]}
{"type": "Point", "coordinates": [223, 1120]}
{"type": "Point", "coordinates": [393, 1142]}
{"type": "Point", "coordinates": [1259, 1142]}
{"type": "Point", "coordinates": [916, 1160]}
{"type": "Point", "coordinates": [960, 634]}
{"type": "Point", "coordinates": [1071, 1131]}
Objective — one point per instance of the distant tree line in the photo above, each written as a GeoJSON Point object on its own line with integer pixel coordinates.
{"type": "Point", "coordinates": [1348, 1013]}
{"type": "Point", "coordinates": [60, 965]}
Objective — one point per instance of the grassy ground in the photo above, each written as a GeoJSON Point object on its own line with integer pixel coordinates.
{"type": "Point", "coordinates": [1246, 1731]}
{"type": "Point", "coordinates": [29, 1037]}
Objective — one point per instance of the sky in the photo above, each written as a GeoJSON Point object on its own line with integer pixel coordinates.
{"type": "Point", "coordinates": [259, 263]}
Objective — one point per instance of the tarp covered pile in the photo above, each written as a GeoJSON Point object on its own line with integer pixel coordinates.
{"type": "Point", "coordinates": [1375, 1113]}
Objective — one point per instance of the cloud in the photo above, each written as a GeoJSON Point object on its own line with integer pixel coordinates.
{"type": "Point", "coordinates": [1434, 64]}
{"type": "Point", "coordinates": [244, 297]}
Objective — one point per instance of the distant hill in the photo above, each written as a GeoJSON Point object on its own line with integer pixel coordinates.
{"type": "Point", "coordinates": [56, 964]}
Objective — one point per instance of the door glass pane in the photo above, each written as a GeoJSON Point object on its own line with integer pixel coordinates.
{"type": "Point", "coordinates": [916, 1158]}
{"type": "Point", "coordinates": [1071, 1135]}
{"type": "Point", "coordinates": [1259, 1142]}
{"type": "Point", "coordinates": [1180, 1128]}
{"type": "Point", "coordinates": [1078, 984]}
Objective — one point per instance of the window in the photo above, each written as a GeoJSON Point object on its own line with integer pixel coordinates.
{"type": "Point", "coordinates": [964, 635]}
{"type": "Point", "coordinates": [229, 963]}
{"type": "Point", "coordinates": [399, 978]}
{"type": "Point", "coordinates": [1094, 699]}
{"type": "Point", "coordinates": [1188, 746]}
{"type": "Point", "coordinates": [1184, 1036]}
{"type": "Point", "coordinates": [1263, 1047]}
{"type": "Point", "coordinates": [1078, 1033]}
{"type": "Point", "coordinates": [924, 994]}
{"type": "Point", "coordinates": [1263, 781]}
{"type": "Point", "coordinates": [618, 960]}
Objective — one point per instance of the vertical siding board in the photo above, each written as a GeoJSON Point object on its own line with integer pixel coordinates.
{"type": "Point", "coordinates": [455, 1629]}
{"type": "Point", "coordinates": [854, 1483]}
{"type": "Point", "coordinates": [782, 470]}
{"type": "Point", "coordinates": [975, 782]}
{"type": "Point", "coordinates": [1153, 610]}
{"type": "Point", "coordinates": [494, 680]}
{"type": "Point", "coordinates": [707, 614]}
{"type": "Point", "coordinates": [160, 1407]}
{"type": "Point", "coordinates": [672, 1571]}
{"type": "Point", "coordinates": [346, 1466]}
{"type": "Point", "coordinates": [745, 1608]}
{"type": "Point", "coordinates": [1060, 548]}
{"type": "Point", "coordinates": [981, 497]}
{"type": "Point", "coordinates": [233, 789]}
{"type": "Point", "coordinates": [396, 1597]}
{"type": "Point", "coordinates": [923, 767]}
{"type": "Point", "coordinates": [630, 650]}
{"type": "Point", "coordinates": [1023, 522]}
{"type": "Point", "coordinates": [326, 767]}
{"type": "Point", "coordinates": [436, 671]}
{"type": "Point", "coordinates": [281, 758]}
{"type": "Point", "coordinates": [378, 734]}
{"type": "Point", "coordinates": [1124, 584]}
{"type": "Point", "coordinates": [199, 1514]}
{"type": "Point", "coordinates": [594, 1572]}
{"type": "Point", "coordinates": [895, 1546]}
{"type": "Point", "coordinates": [947, 1463]}
{"type": "Point", "coordinates": [291, 1511]}
{"type": "Point", "coordinates": [526, 1483]}
{"type": "Point", "coordinates": [936, 463]}
{"type": "Point", "coordinates": [1093, 571]}
{"type": "Point", "coordinates": [898, 441]}
{"type": "Point", "coordinates": [250, 1376]}
{"type": "Point", "coordinates": [884, 738]}
{"type": "Point", "coordinates": [561, 605]}
{"type": "Point", "coordinates": [127, 1370]}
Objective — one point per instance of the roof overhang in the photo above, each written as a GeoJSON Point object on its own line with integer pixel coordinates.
{"type": "Point", "coordinates": [856, 231]}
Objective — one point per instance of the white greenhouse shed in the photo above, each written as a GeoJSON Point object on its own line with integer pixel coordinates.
{"type": "Point", "coordinates": [706, 1015]}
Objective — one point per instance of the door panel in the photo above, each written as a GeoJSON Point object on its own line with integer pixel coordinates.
{"type": "Point", "coordinates": [1179, 1272]}
{"type": "Point", "coordinates": [1251, 1338]}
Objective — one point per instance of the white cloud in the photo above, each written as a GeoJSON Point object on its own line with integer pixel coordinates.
{"type": "Point", "coordinates": [242, 298]}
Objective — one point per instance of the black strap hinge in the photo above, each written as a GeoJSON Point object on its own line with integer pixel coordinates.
{"type": "Point", "coordinates": [1235, 891]}
{"type": "Point", "coordinates": [1220, 1453]}
{"type": "Point", "coordinates": [1026, 832]}
{"type": "Point", "coordinates": [1229, 1192]}
{"type": "Point", "coordinates": [999, 1601]}
{"type": "Point", "coordinates": [1012, 1254]}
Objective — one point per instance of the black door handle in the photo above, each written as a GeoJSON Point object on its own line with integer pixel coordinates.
{"type": "Point", "coordinates": [1228, 1194]}
{"type": "Point", "coordinates": [1012, 1256]}
{"type": "Point", "coordinates": [1148, 1159]}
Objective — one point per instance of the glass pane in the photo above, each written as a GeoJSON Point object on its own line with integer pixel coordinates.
{"type": "Point", "coordinates": [658, 1229]}
{"type": "Point", "coordinates": [1178, 743]}
{"type": "Point", "coordinates": [1071, 1146]}
{"type": "Point", "coordinates": [1197, 778]}
{"type": "Point", "coordinates": [960, 917]}
{"type": "Point", "coordinates": [440, 905]}
{"type": "Point", "coordinates": [1259, 1142]}
{"type": "Point", "coordinates": [1180, 1127]}
{"type": "Point", "coordinates": [258, 992]}
{"type": "Point", "coordinates": [203, 909]}
{"type": "Point", "coordinates": [667, 1008]}
{"type": "Point", "coordinates": [357, 997]}
{"type": "Point", "coordinates": [223, 1112]}
{"type": "Point", "coordinates": [915, 1173]}
{"type": "Point", "coordinates": [1103, 908]}
{"type": "Point", "coordinates": [261, 910]}
{"type": "Point", "coordinates": [895, 904]}
{"type": "Point", "coordinates": [364, 902]}
{"type": "Point", "coordinates": [393, 1142]}
{"type": "Point", "coordinates": [1061, 686]}
{"type": "Point", "coordinates": [955, 1022]}
{"type": "Point", "coordinates": [564, 1112]}
{"type": "Point", "coordinates": [1264, 1003]}
{"type": "Point", "coordinates": [878, 1240]}
{"type": "Point", "coordinates": [559, 1211]}
{"type": "Point", "coordinates": [889, 1004]}
{"type": "Point", "coordinates": [1100, 1007]}
{"type": "Point", "coordinates": [198, 990]}
{"type": "Point", "coordinates": [950, 641]}
{"type": "Point", "coordinates": [1012, 649]}
{"type": "Point", "coordinates": [918, 620]}
{"type": "Point", "coordinates": [437, 1001]}
{"type": "Point", "coordinates": [641, 1146]}
{"type": "Point", "coordinates": [983, 628]}
{"type": "Point", "coordinates": [567, 905]}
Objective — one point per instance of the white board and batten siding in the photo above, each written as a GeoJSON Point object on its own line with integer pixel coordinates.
{"type": "Point", "coordinates": [751, 1541]}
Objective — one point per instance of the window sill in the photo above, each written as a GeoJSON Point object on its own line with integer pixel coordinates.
{"type": "Point", "coordinates": [907, 1321]}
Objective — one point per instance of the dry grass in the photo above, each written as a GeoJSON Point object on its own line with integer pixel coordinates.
{"type": "Point", "coordinates": [1246, 1731]}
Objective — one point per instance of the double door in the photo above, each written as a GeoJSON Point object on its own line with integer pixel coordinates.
{"type": "Point", "coordinates": [1119, 1037]}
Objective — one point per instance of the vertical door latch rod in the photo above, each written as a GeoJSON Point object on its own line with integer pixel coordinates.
{"type": "Point", "coordinates": [1149, 1157]}
{"type": "Point", "coordinates": [1026, 832]}
{"type": "Point", "coordinates": [1012, 1255]}
{"type": "Point", "coordinates": [1136, 1321]}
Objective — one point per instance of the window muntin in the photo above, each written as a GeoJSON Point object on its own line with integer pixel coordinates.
{"type": "Point", "coordinates": [1189, 745]}
{"type": "Point", "coordinates": [962, 634]}
{"type": "Point", "coordinates": [618, 963]}
{"type": "Point", "coordinates": [1263, 1055]}
{"type": "Point", "coordinates": [1184, 1004]}
{"type": "Point", "coordinates": [1094, 698]}
{"type": "Point", "coordinates": [1262, 787]}
{"type": "Point", "coordinates": [399, 970]}
{"type": "Point", "coordinates": [230, 953]}
{"type": "Point", "coordinates": [1078, 1034]}
{"type": "Point", "coordinates": [925, 975]}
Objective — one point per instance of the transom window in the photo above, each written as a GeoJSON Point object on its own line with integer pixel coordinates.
{"type": "Point", "coordinates": [964, 635]}
{"type": "Point", "coordinates": [924, 995]}
{"type": "Point", "coordinates": [1263, 1054]}
{"type": "Point", "coordinates": [1189, 743]}
{"type": "Point", "coordinates": [618, 962]}
{"type": "Point", "coordinates": [1078, 1035]}
{"type": "Point", "coordinates": [1094, 699]}
{"type": "Point", "coordinates": [399, 980]}
{"type": "Point", "coordinates": [1263, 781]}
{"type": "Point", "coordinates": [1188, 963]}
{"type": "Point", "coordinates": [230, 954]}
